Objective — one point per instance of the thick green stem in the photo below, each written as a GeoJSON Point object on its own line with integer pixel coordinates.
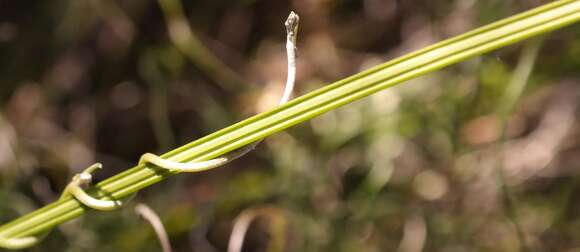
{"type": "Point", "coordinates": [502, 33]}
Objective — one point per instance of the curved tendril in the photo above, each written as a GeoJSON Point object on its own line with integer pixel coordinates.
{"type": "Point", "coordinates": [182, 167]}
{"type": "Point", "coordinates": [22, 242]}
{"type": "Point", "coordinates": [75, 189]}
{"type": "Point", "coordinates": [291, 35]}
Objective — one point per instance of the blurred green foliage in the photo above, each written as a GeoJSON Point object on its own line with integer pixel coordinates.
{"type": "Point", "coordinates": [409, 169]}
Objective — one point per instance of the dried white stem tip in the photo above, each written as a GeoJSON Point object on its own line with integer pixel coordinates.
{"type": "Point", "coordinates": [292, 32]}
{"type": "Point", "coordinates": [292, 26]}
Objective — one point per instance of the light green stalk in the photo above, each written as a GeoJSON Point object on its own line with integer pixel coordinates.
{"type": "Point", "coordinates": [187, 43]}
{"type": "Point", "coordinates": [511, 95]}
{"type": "Point", "coordinates": [499, 34]}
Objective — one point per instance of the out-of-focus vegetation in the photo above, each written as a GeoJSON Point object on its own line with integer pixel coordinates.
{"type": "Point", "coordinates": [481, 156]}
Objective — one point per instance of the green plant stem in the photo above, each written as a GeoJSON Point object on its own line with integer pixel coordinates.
{"type": "Point", "coordinates": [187, 43]}
{"type": "Point", "coordinates": [508, 101]}
{"type": "Point", "coordinates": [499, 34]}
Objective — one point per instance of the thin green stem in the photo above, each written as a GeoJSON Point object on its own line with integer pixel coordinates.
{"type": "Point", "coordinates": [187, 43]}
{"type": "Point", "coordinates": [505, 32]}
{"type": "Point", "coordinates": [512, 94]}
{"type": "Point", "coordinates": [149, 70]}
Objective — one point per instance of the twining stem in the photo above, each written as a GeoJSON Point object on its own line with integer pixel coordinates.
{"type": "Point", "coordinates": [197, 166]}
{"type": "Point", "coordinates": [85, 178]}
{"type": "Point", "coordinates": [537, 21]}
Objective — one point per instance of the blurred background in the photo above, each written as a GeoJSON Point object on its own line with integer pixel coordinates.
{"type": "Point", "coordinates": [480, 156]}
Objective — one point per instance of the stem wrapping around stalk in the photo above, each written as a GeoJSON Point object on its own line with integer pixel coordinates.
{"type": "Point", "coordinates": [502, 33]}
